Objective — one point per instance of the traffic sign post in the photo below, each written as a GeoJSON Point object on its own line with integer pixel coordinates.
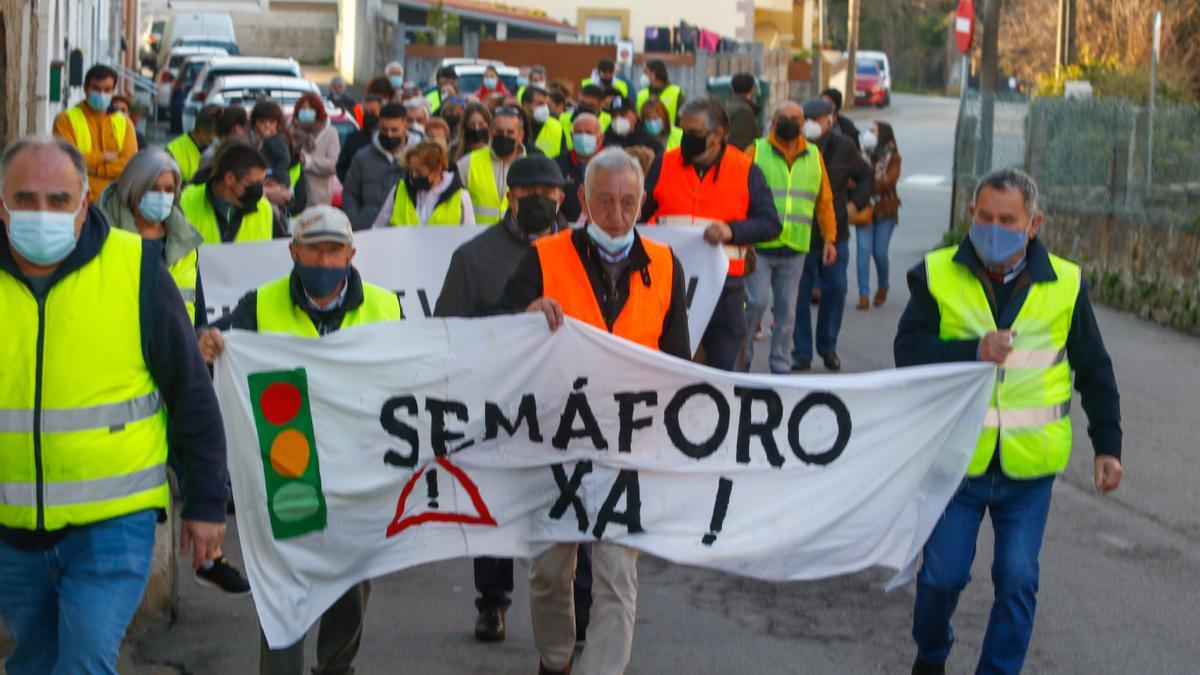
{"type": "Point", "coordinates": [964, 35]}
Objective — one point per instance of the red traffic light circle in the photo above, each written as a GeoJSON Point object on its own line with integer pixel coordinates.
{"type": "Point", "coordinates": [279, 402]}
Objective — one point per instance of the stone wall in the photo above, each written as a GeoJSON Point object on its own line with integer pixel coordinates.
{"type": "Point", "coordinates": [1148, 269]}
{"type": "Point", "coordinates": [309, 36]}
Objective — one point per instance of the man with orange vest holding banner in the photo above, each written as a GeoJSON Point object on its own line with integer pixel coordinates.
{"type": "Point", "coordinates": [607, 276]}
{"type": "Point", "coordinates": [106, 140]}
{"type": "Point", "coordinates": [707, 183]}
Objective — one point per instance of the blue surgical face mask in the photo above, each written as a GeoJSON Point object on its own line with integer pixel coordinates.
{"type": "Point", "coordinates": [616, 248]}
{"type": "Point", "coordinates": [490, 82]}
{"type": "Point", "coordinates": [42, 237]}
{"type": "Point", "coordinates": [99, 101]}
{"type": "Point", "coordinates": [307, 115]}
{"type": "Point", "coordinates": [156, 206]}
{"type": "Point", "coordinates": [396, 80]}
{"type": "Point", "coordinates": [522, 81]}
{"type": "Point", "coordinates": [654, 126]}
{"type": "Point", "coordinates": [320, 281]}
{"type": "Point", "coordinates": [996, 244]}
{"type": "Point", "coordinates": [585, 144]}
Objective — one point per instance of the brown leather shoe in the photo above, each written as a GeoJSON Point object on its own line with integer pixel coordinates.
{"type": "Point", "coordinates": [880, 296]}
{"type": "Point", "coordinates": [863, 302]}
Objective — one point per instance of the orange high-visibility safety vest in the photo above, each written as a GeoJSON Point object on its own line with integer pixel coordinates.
{"type": "Point", "coordinates": [723, 194]}
{"type": "Point", "coordinates": [641, 319]}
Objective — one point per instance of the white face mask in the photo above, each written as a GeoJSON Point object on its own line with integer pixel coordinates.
{"type": "Point", "coordinates": [868, 140]}
{"type": "Point", "coordinates": [621, 126]}
{"type": "Point", "coordinates": [541, 113]}
{"type": "Point", "coordinates": [644, 81]}
{"type": "Point", "coordinates": [812, 129]}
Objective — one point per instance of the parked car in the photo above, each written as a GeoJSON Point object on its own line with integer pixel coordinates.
{"type": "Point", "coordinates": [223, 66]}
{"type": "Point", "coordinates": [153, 26]}
{"type": "Point", "coordinates": [880, 59]}
{"type": "Point", "coordinates": [165, 80]}
{"type": "Point", "coordinates": [185, 79]}
{"type": "Point", "coordinates": [868, 86]}
{"type": "Point", "coordinates": [183, 24]}
{"type": "Point", "coordinates": [246, 90]}
{"type": "Point", "coordinates": [217, 41]}
{"type": "Point", "coordinates": [470, 74]}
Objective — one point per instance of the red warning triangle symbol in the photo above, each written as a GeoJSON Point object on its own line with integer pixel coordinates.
{"type": "Point", "coordinates": [482, 515]}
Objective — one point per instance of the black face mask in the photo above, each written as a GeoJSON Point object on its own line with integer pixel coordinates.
{"type": "Point", "coordinates": [250, 197]}
{"type": "Point", "coordinates": [607, 82]}
{"type": "Point", "coordinates": [473, 136]}
{"type": "Point", "coordinates": [452, 121]}
{"type": "Point", "coordinates": [390, 143]}
{"type": "Point", "coordinates": [536, 213]}
{"type": "Point", "coordinates": [417, 183]}
{"type": "Point", "coordinates": [503, 145]}
{"type": "Point", "coordinates": [787, 129]}
{"type": "Point", "coordinates": [692, 147]}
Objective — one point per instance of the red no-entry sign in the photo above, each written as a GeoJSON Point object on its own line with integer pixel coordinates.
{"type": "Point", "coordinates": [964, 25]}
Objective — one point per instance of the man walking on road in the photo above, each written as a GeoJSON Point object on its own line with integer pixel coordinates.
{"type": "Point", "coordinates": [708, 183]}
{"type": "Point", "coordinates": [377, 168]}
{"type": "Point", "coordinates": [843, 165]}
{"type": "Point", "coordinates": [105, 139]}
{"type": "Point", "coordinates": [101, 377]}
{"type": "Point", "coordinates": [608, 276]}
{"type": "Point", "coordinates": [485, 170]}
{"type": "Point", "coordinates": [323, 294]}
{"type": "Point", "coordinates": [796, 175]}
{"type": "Point", "coordinates": [1001, 297]}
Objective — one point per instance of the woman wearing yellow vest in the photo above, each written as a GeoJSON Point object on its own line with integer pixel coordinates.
{"type": "Point", "coordinates": [323, 294]}
{"type": "Point", "coordinates": [656, 121]}
{"type": "Point", "coordinates": [145, 201]}
{"type": "Point", "coordinates": [1002, 298]}
{"type": "Point", "coordinates": [428, 194]}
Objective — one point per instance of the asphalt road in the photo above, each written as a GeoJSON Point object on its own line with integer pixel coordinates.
{"type": "Point", "coordinates": [1120, 589]}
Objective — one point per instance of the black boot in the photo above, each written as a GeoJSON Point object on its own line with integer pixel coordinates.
{"type": "Point", "coordinates": [489, 625]}
{"type": "Point", "coordinates": [922, 668]}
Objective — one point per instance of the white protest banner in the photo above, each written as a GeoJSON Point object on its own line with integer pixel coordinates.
{"type": "Point", "coordinates": [413, 262]}
{"type": "Point", "coordinates": [386, 446]}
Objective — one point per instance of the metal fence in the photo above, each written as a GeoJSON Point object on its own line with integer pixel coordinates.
{"type": "Point", "coordinates": [1087, 155]}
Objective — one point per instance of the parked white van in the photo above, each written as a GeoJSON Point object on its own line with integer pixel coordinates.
{"type": "Point", "coordinates": [216, 26]}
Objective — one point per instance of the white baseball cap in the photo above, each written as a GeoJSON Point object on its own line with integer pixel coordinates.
{"type": "Point", "coordinates": [322, 223]}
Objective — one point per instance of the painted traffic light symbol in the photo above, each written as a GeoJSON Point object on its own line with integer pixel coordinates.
{"type": "Point", "coordinates": [283, 419]}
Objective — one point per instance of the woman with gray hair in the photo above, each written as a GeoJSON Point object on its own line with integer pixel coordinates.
{"type": "Point", "coordinates": [145, 200]}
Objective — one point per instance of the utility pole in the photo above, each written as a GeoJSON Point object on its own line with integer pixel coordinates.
{"type": "Point", "coordinates": [1065, 49]}
{"type": "Point", "coordinates": [989, 65]}
{"type": "Point", "coordinates": [851, 54]}
{"type": "Point", "coordinates": [818, 61]}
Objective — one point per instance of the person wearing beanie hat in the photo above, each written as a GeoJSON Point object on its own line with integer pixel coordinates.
{"type": "Point", "coordinates": [323, 294]}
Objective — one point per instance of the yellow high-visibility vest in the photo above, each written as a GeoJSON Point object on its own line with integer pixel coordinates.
{"type": "Point", "coordinates": [481, 185]}
{"type": "Point", "coordinates": [83, 431]}
{"type": "Point", "coordinates": [277, 312]}
{"type": "Point", "coordinates": [404, 210]}
{"type": "Point", "coordinates": [257, 226]}
{"type": "Point", "coordinates": [1029, 416]}
{"type": "Point", "coordinates": [187, 155]}
{"type": "Point", "coordinates": [795, 190]}
{"type": "Point", "coordinates": [669, 97]}
{"type": "Point", "coordinates": [83, 136]}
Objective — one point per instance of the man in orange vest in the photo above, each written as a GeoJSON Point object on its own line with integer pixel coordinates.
{"type": "Point", "coordinates": [106, 140]}
{"type": "Point", "coordinates": [707, 183]}
{"type": "Point", "coordinates": [607, 276]}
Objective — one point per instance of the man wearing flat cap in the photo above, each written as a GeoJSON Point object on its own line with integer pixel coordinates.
{"type": "Point", "coordinates": [844, 166]}
{"type": "Point", "coordinates": [476, 276]}
{"type": "Point", "coordinates": [323, 294]}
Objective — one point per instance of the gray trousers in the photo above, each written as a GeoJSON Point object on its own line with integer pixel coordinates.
{"type": "Point", "coordinates": [338, 639]}
{"type": "Point", "coordinates": [777, 279]}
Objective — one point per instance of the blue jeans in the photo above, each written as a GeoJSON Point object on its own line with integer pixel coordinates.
{"type": "Point", "coordinates": [832, 282]}
{"type": "Point", "coordinates": [778, 277]}
{"type": "Point", "coordinates": [873, 241]}
{"type": "Point", "coordinates": [1018, 509]}
{"type": "Point", "coordinates": [80, 593]}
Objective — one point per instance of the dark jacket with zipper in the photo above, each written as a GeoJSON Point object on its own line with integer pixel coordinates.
{"type": "Point", "coordinates": [918, 342]}
{"type": "Point", "coordinates": [195, 434]}
{"type": "Point", "coordinates": [525, 286]}
{"type": "Point", "coordinates": [245, 315]}
{"type": "Point", "coordinates": [844, 166]}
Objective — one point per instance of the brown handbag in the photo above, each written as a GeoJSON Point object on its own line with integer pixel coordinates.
{"type": "Point", "coordinates": [865, 216]}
